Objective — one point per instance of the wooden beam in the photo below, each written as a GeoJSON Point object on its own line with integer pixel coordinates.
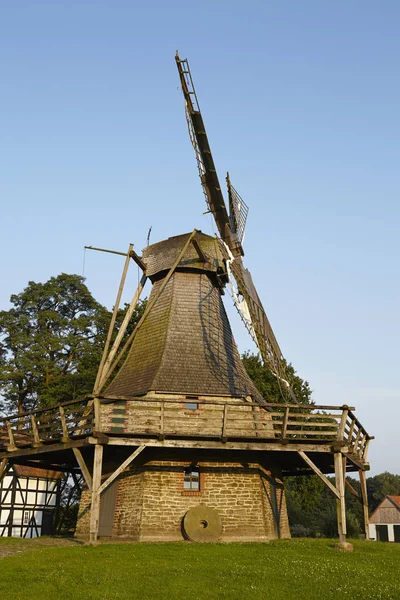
{"type": "Point", "coordinates": [35, 432]}
{"type": "Point", "coordinates": [97, 414]}
{"type": "Point", "coordinates": [65, 436]}
{"type": "Point", "coordinates": [122, 330]}
{"type": "Point", "coordinates": [217, 444]}
{"type": "Point", "coordinates": [343, 421]}
{"type": "Point", "coordinates": [285, 422]}
{"type": "Point", "coordinates": [123, 466]}
{"type": "Point", "coordinates": [352, 490]}
{"type": "Point", "coordinates": [132, 254]}
{"type": "Point", "coordinates": [199, 251]}
{"type": "Point", "coordinates": [364, 496]}
{"type": "Point", "coordinates": [95, 503]}
{"type": "Point", "coordinates": [44, 448]}
{"type": "Point", "coordinates": [319, 473]}
{"type": "Point", "coordinates": [4, 467]}
{"type": "Point", "coordinates": [83, 467]}
{"type": "Point", "coordinates": [10, 432]}
{"type": "Point", "coordinates": [149, 306]}
{"type": "Point", "coordinates": [112, 322]}
{"type": "Point", "coordinates": [340, 502]}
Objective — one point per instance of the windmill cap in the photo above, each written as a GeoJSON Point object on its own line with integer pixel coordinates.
{"type": "Point", "coordinates": [203, 254]}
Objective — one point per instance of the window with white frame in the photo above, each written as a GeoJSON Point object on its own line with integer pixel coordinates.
{"type": "Point", "coordinates": [191, 479]}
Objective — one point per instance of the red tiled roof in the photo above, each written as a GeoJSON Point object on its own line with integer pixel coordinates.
{"type": "Point", "coordinates": [396, 500]}
{"type": "Point", "coordinates": [27, 471]}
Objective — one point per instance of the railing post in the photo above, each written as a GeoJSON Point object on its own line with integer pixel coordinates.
{"type": "Point", "coordinates": [365, 453]}
{"type": "Point", "coordinates": [285, 423]}
{"type": "Point", "coordinates": [161, 436]}
{"type": "Point", "coordinates": [10, 432]}
{"type": "Point", "coordinates": [357, 441]}
{"type": "Point", "coordinates": [97, 414]}
{"type": "Point", "coordinates": [224, 420]}
{"type": "Point", "coordinates": [350, 436]}
{"type": "Point", "coordinates": [342, 425]}
{"type": "Point", "coordinates": [340, 503]}
{"type": "Point", "coordinates": [65, 436]}
{"type": "Point", "coordinates": [36, 439]}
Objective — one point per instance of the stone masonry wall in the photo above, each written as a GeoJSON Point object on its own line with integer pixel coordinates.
{"type": "Point", "coordinates": [151, 502]}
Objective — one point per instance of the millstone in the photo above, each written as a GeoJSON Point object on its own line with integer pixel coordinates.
{"type": "Point", "coordinates": [202, 524]}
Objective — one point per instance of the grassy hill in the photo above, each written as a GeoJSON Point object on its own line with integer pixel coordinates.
{"type": "Point", "coordinates": [298, 569]}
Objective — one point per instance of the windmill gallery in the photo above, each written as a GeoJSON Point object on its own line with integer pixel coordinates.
{"type": "Point", "coordinates": [179, 443]}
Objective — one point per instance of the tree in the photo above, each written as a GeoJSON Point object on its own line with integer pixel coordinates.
{"type": "Point", "coordinates": [384, 484]}
{"type": "Point", "coordinates": [51, 342]}
{"type": "Point", "coordinates": [269, 386]}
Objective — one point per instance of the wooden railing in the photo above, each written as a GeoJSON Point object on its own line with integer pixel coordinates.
{"type": "Point", "coordinates": [60, 422]}
{"type": "Point", "coordinates": [170, 418]}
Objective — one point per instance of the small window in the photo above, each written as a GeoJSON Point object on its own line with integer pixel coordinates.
{"type": "Point", "coordinates": [191, 479]}
{"type": "Point", "coordinates": [26, 517]}
{"type": "Point", "coordinates": [191, 403]}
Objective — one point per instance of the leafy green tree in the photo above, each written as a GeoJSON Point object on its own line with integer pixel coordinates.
{"type": "Point", "coordinates": [312, 508]}
{"type": "Point", "coordinates": [51, 342]}
{"type": "Point", "coordinates": [384, 484]}
{"type": "Point", "coordinates": [270, 387]}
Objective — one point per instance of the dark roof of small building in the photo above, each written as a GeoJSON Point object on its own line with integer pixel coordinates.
{"type": "Point", "coordinates": [28, 471]}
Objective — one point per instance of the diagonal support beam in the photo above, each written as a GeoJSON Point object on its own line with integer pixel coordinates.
{"type": "Point", "coordinates": [113, 319]}
{"type": "Point", "coordinates": [319, 473]}
{"type": "Point", "coordinates": [125, 464]}
{"type": "Point", "coordinates": [149, 306]}
{"type": "Point", "coordinates": [121, 333]}
{"type": "Point", "coordinates": [4, 467]}
{"type": "Point", "coordinates": [352, 490]}
{"type": "Point", "coordinates": [83, 467]}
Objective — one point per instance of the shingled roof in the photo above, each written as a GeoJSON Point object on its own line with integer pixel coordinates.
{"type": "Point", "coordinates": [186, 344]}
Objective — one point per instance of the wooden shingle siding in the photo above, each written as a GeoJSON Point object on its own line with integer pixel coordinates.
{"type": "Point", "coordinates": [185, 345]}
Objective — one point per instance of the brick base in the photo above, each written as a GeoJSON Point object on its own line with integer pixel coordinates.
{"type": "Point", "coordinates": [151, 502]}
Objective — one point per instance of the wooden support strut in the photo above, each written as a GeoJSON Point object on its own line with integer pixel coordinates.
{"type": "Point", "coordinates": [4, 467]}
{"type": "Point", "coordinates": [95, 503]}
{"type": "Point", "coordinates": [364, 496]}
{"type": "Point", "coordinates": [340, 502]}
{"type": "Point", "coordinates": [123, 466]}
{"type": "Point", "coordinates": [83, 467]}
{"type": "Point", "coordinates": [122, 330]}
{"type": "Point", "coordinates": [149, 306]}
{"type": "Point", "coordinates": [113, 319]}
{"type": "Point", "coordinates": [319, 473]}
{"type": "Point", "coordinates": [65, 435]}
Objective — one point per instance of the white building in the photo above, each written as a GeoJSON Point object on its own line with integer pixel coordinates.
{"type": "Point", "coordinates": [29, 497]}
{"type": "Point", "coordinates": [384, 523]}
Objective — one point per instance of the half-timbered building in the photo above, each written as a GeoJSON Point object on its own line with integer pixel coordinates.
{"type": "Point", "coordinates": [29, 497]}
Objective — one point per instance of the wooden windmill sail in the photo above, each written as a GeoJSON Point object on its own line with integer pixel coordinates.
{"type": "Point", "coordinates": [231, 229]}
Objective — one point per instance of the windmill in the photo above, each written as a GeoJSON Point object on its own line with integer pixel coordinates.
{"type": "Point", "coordinates": [231, 230]}
{"type": "Point", "coordinates": [176, 440]}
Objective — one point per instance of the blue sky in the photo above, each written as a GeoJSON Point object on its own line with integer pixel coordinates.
{"type": "Point", "coordinates": [301, 104]}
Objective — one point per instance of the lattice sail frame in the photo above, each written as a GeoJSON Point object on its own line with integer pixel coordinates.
{"type": "Point", "coordinates": [238, 210]}
{"type": "Point", "coordinates": [231, 233]}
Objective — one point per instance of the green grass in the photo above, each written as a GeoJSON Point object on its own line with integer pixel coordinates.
{"type": "Point", "coordinates": [298, 569]}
